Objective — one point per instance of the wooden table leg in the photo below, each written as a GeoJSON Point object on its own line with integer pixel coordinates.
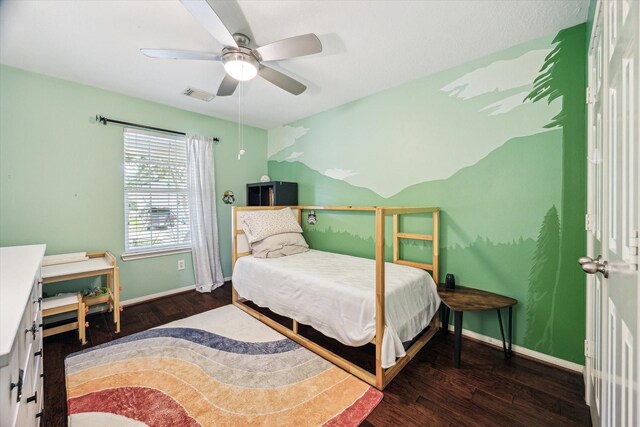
{"type": "Point", "coordinates": [116, 302]}
{"type": "Point", "coordinates": [445, 319]}
{"type": "Point", "coordinates": [505, 348]}
{"type": "Point", "coordinates": [457, 345]}
{"type": "Point", "coordinates": [110, 286]}
{"type": "Point", "coordinates": [510, 324]}
{"type": "Point", "coordinates": [504, 345]}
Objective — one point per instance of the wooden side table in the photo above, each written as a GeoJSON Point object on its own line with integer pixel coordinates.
{"type": "Point", "coordinates": [461, 299]}
{"type": "Point", "coordinates": [98, 264]}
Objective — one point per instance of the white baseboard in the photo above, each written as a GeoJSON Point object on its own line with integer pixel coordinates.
{"type": "Point", "coordinates": [522, 350]}
{"type": "Point", "coordinates": [161, 294]}
{"type": "Point", "coordinates": [156, 295]}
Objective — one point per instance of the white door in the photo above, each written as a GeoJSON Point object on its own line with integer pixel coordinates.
{"type": "Point", "coordinates": [593, 350]}
{"type": "Point", "coordinates": [612, 374]}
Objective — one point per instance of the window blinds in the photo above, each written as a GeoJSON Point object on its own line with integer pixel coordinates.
{"type": "Point", "coordinates": [155, 191]}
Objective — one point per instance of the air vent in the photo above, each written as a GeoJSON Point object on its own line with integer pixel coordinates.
{"type": "Point", "coordinates": [199, 94]}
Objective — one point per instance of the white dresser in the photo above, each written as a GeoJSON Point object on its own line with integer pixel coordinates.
{"type": "Point", "coordinates": [21, 392]}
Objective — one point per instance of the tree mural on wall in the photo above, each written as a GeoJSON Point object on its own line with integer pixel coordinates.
{"type": "Point", "coordinates": [562, 76]}
{"type": "Point", "coordinates": [544, 271]}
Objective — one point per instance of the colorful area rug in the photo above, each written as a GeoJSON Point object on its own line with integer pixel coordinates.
{"type": "Point", "coordinates": [218, 368]}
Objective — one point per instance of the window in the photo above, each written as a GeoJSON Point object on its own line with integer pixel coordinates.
{"type": "Point", "coordinates": [156, 200]}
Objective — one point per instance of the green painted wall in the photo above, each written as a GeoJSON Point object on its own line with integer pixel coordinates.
{"type": "Point", "coordinates": [61, 179]}
{"type": "Point", "coordinates": [590, 16]}
{"type": "Point", "coordinates": [499, 144]}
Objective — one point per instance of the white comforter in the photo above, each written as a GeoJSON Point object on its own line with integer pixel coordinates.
{"type": "Point", "coordinates": [336, 295]}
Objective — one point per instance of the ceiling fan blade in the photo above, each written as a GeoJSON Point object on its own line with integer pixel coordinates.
{"type": "Point", "coordinates": [292, 47]}
{"type": "Point", "coordinates": [281, 80]}
{"type": "Point", "coordinates": [207, 17]}
{"type": "Point", "coordinates": [228, 86]}
{"type": "Point", "coordinates": [231, 14]}
{"type": "Point", "coordinates": [180, 54]}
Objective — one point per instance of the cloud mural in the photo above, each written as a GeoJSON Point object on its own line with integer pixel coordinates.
{"type": "Point", "coordinates": [441, 124]}
{"type": "Point", "coordinates": [339, 173]}
{"type": "Point", "coordinates": [498, 76]}
{"type": "Point", "coordinates": [294, 155]}
{"type": "Point", "coordinates": [507, 104]}
{"type": "Point", "coordinates": [283, 137]}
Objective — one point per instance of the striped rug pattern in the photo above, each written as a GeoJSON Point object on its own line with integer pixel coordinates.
{"type": "Point", "coordinates": [218, 368]}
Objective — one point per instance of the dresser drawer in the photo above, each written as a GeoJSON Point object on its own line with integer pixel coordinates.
{"type": "Point", "coordinates": [34, 364]}
{"type": "Point", "coordinates": [30, 332]}
{"type": "Point", "coordinates": [36, 361]}
{"type": "Point", "coordinates": [21, 336]}
{"type": "Point", "coordinates": [36, 338]}
{"type": "Point", "coordinates": [24, 361]}
{"type": "Point", "coordinates": [12, 379]}
{"type": "Point", "coordinates": [39, 406]}
{"type": "Point", "coordinates": [24, 400]}
{"type": "Point", "coordinates": [38, 384]}
{"type": "Point", "coordinates": [32, 397]}
{"type": "Point", "coordinates": [34, 306]}
{"type": "Point", "coordinates": [26, 407]}
{"type": "Point", "coordinates": [23, 415]}
{"type": "Point", "coordinates": [35, 299]}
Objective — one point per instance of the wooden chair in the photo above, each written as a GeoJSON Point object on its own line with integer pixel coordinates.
{"type": "Point", "coordinates": [65, 303]}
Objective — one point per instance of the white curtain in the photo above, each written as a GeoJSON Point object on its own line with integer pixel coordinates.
{"type": "Point", "coordinates": [202, 212]}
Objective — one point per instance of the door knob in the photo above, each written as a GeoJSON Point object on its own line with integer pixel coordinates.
{"type": "Point", "coordinates": [585, 259]}
{"type": "Point", "coordinates": [595, 266]}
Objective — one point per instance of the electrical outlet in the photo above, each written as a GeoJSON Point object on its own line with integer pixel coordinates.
{"type": "Point", "coordinates": [180, 264]}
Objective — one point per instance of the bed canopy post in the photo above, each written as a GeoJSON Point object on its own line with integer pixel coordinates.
{"type": "Point", "coordinates": [380, 294]}
{"type": "Point", "coordinates": [396, 239]}
{"type": "Point", "coordinates": [234, 247]}
{"type": "Point", "coordinates": [436, 244]}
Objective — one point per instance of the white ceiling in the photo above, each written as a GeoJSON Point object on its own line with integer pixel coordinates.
{"type": "Point", "coordinates": [369, 46]}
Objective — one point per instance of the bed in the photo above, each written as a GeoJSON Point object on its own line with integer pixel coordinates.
{"type": "Point", "coordinates": [354, 300]}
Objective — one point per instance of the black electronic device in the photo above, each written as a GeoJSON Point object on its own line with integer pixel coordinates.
{"type": "Point", "coordinates": [450, 281]}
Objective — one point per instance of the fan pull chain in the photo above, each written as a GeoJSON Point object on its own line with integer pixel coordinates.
{"type": "Point", "coordinates": [241, 150]}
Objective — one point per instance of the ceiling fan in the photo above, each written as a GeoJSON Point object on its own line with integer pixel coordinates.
{"type": "Point", "coordinates": [242, 62]}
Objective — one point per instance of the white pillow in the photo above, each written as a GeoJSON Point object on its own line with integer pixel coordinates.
{"type": "Point", "coordinates": [258, 225]}
{"type": "Point", "coordinates": [279, 245]}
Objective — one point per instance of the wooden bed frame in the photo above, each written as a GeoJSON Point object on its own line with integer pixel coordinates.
{"type": "Point", "coordinates": [382, 376]}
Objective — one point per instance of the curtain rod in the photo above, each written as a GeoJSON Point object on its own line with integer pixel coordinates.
{"type": "Point", "coordinates": [105, 120]}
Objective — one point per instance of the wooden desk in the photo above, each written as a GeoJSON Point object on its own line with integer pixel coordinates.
{"type": "Point", "coordinates": [98, 264]}
{"type": "Point", "coordinates": [461, 299]}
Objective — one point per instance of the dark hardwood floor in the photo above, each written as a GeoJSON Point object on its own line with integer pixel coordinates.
{"type": "Point", "coordinates": [488, 390]}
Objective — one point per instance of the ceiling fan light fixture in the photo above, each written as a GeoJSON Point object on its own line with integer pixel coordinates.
{"type": "Point", "coordinates": [240, 66]}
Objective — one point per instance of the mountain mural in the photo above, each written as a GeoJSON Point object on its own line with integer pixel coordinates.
{"type": "Point", "coordinates": [530, 165]}
{"type": "Point", "coordinates": [471, 199]}
{"type": "Point", "coordinates": [498, 144]}
{"type": "Point", "coordinates": [460, 115]}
